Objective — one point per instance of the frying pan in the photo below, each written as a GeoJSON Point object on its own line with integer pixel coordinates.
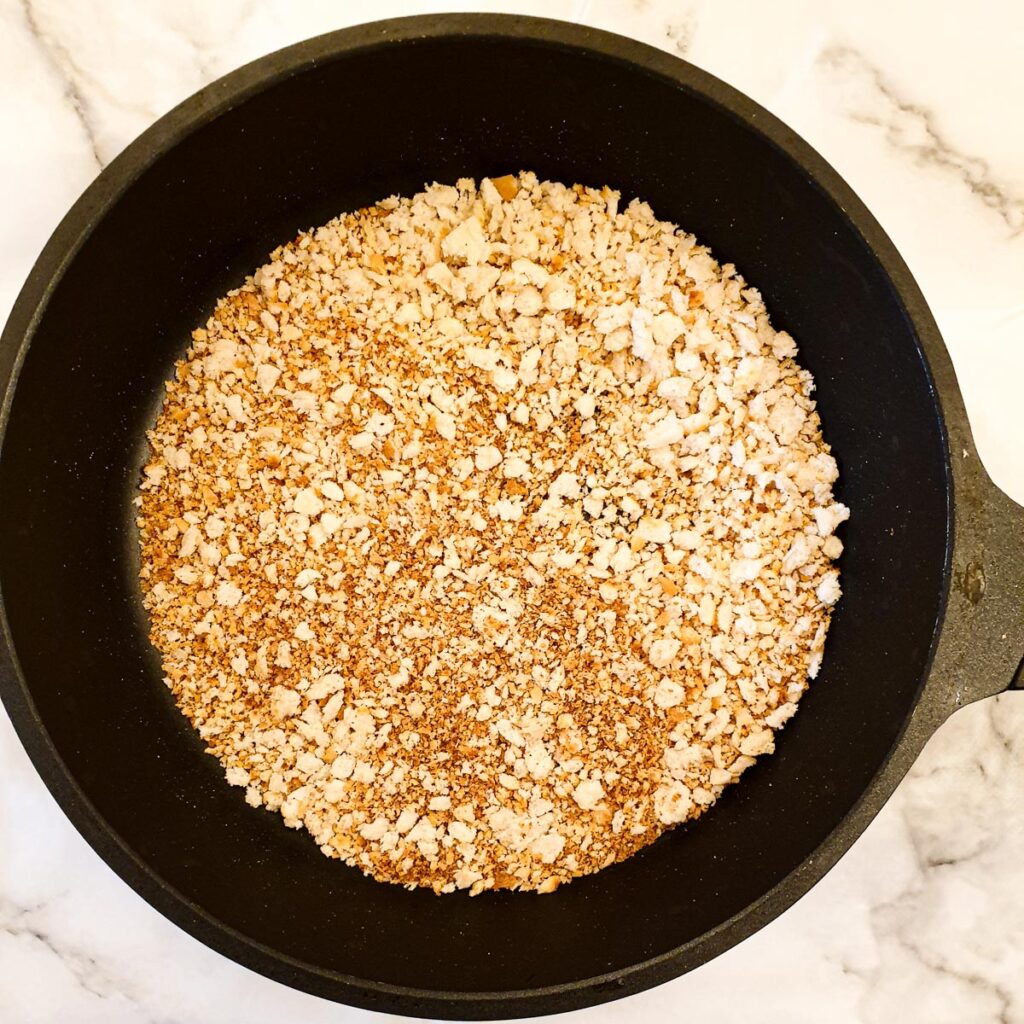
{"type": "Point", "coordinates": [933, 571]}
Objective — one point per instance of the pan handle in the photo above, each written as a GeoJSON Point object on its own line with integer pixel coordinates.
{"type": "Point", "coordinates": [985, 652]}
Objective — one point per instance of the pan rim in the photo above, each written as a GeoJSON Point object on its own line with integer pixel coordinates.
{"type": "Point", "coordinates": [234, 89]}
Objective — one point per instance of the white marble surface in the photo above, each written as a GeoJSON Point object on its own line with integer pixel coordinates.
{"type": "Point", "coordinates": [917, 105]}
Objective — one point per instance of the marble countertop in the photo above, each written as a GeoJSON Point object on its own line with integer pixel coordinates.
{"type": "Point", "coordinates": [917, 105]}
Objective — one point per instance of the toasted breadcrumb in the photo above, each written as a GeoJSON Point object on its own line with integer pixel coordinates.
{"type": "Point", "coordinates": [488, 534]}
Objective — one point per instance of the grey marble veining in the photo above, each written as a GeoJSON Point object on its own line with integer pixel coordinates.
{"type": "Point", "coordinates": [911, 130]}
{"type": "Point", "coordinates": [63, 67]}
{"type": "Point", "coordinates": [923, 921]}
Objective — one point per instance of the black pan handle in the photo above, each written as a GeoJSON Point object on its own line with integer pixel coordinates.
{"type": "Point", "coordinates": [981, 652]}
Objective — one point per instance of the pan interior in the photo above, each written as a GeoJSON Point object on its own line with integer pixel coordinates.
{"type": "Point", "coordinates": [338, 135]}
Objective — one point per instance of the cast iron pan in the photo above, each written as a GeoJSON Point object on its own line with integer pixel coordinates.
{"type": "Point", "coordinates": [933, 571]}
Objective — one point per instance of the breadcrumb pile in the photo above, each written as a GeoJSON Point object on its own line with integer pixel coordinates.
{"type": "Point", "coordinates": [488, 534]}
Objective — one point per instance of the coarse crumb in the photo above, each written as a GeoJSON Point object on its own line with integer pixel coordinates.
{"type": "Point", "coordinates": [488, 534]}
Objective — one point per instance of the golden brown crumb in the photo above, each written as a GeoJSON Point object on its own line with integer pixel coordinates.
{"type": "Point", "coordinates": [487, 534]}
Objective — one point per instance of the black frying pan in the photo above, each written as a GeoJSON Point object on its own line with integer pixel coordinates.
{"type": "Point", "coordinates": [933, 571]}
